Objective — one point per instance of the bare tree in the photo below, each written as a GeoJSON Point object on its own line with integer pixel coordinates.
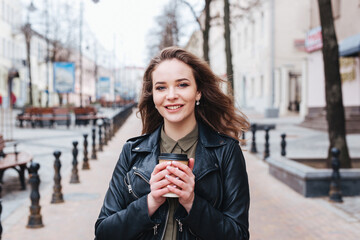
{"type": "Point", "coordinates": [227, 36]}
{"type": "Point", "coordinates": [167, 31]}
{"type": "Point", "coordinates": [28, 32]}
{"type": "Point", "coordinates": [205, 27]}
{"type": "Point", "coordinates": [334, 105]}
{"type": "Point", "coordinates": [250, 4]}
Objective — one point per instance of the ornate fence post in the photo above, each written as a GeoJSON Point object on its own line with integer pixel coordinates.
{"type": "Point", "coordinates": [267, 145]}
{"type": "Point", "coordinates": [74, 171]}
{"type": "Point", "coordinates": [57, 196]}
{"type": "Point", "coordinates": [253, 143]}
{"type": "Point", "coordinates": [106, 138]}
{"type": "Point", "coordinates": [85, 159]}
{"type": "Point", "coordinates": [1, 229]}
{"type": "Point", "coordinates": [100, 123]}
{"type": "Point", "coordinates": [283, 144]}
{"type": "Point", "coordinates": [112, 128]}
{"type": "Point", "coordinates": [93, 150]}
{"type": "Point", "coordinates": [35, 218]}
{"type": "Point", "coordinates": [335, 191]}
{"type": "Point", "coordinates": [243, 138]}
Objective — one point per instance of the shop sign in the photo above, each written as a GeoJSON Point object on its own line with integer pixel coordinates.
{"type": "Point", "coordinates": [313, 40]}
{"type": "Point", "coordinates": [64, 77]}
{"type": "Point", "coordinates": [347, 69]}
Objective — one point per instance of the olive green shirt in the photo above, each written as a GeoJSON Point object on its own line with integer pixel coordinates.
{"type": "Point", "coordinates": [186, 145]}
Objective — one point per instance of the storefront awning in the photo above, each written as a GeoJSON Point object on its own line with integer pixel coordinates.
{"type": "Point", "coordinates": [350, 46]}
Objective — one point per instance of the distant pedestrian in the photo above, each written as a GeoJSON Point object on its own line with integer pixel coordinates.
{"type": "Point", "coordinates": [183, 110]}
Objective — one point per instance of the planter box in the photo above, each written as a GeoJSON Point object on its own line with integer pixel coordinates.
{"type": "Point", "coordinates": [312, 182]}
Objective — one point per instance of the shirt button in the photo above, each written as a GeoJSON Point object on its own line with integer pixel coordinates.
{"type": "Point", "coordinates": [137, 148]}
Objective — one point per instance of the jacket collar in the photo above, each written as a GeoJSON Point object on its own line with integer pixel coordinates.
{"type": "Point", "coordinates": [208, 138]}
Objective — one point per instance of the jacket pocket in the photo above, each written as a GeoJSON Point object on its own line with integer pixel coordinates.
{"type": "Point", "coordinates": [137, 183]}
{"type": "Point", "coordinates": [209, 187]}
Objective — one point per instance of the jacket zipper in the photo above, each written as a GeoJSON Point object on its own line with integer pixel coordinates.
{"type": "Point", "coordinates": [141, 176]}
{"type": "Point", "coordinates": [167, 214]}
{"type": "Point", "coordinates": [166, 221]}
{"type": "Point", "coordinates": [129, 186]}
{"type": "Point", "coordinates": [155, 227]}
{"type": "Point", "coordinates": [180, 225]}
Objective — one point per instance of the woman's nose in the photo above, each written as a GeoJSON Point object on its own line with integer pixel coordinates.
{"type": "Point", "coordinates": [171, 94]}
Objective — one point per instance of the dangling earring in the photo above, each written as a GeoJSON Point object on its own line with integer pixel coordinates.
{"type": "Point", "coordinates": [197, 102]}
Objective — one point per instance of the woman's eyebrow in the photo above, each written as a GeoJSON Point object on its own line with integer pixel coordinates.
{"type": "Point", "coordinates": [182, 79]}
{"type": "Point", "coordinates": [159, 83]}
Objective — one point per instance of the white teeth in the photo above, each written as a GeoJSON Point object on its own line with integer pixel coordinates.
{"type": "Point", "coordinates": [173, 107]}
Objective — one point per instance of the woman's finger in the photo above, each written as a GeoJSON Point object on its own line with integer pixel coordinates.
{"type": "Point", "coordinates": [181, 166]}
{"type": "Point", "coordinates": [159, 167]}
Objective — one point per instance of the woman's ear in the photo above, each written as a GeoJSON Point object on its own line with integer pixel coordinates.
{"type": "Point", "coordinates": [198, 96]}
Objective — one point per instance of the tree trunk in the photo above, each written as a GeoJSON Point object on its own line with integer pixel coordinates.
{"type": "Point", "coordinates": [227, 36]}
{"type": "Point", "coordinates": [27, 33]}
{"type": "Point", "coordinates": [205, 31]}
{"type": "Point", "coordinates": [334, 106]}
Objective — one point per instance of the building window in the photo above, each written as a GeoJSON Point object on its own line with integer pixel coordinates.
{"type": "Point", "coordinates": [252, 87]}
{"type": "Point", "coordinates": [261, 85]}
{"type": "Point", "coordinates": [3, 47]}
{"type": "Point", "coordinates": [262, 22]}
{"type": "Point", "coordinates": [3, 10]}
{"type": "Point", "coordinates": [245, 37]}
{"type": "Point", "coordinates": [336, 8]}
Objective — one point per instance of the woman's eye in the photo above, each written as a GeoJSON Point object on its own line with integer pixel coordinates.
{"type": "Point", "coordinates": [182, 85]}
{"type": "Point", "coordinates": [159, 88]}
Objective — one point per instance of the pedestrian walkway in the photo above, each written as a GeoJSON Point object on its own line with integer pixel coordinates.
{"type": "Point", "coordinates": [75, 218]}
{"type": "Point", "coordinates": [276, 211]}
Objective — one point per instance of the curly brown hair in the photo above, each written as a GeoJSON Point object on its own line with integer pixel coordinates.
{"type": "Point", "coordinates": [216, 108]}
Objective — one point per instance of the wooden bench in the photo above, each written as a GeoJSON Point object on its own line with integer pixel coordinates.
{"type": "Point", "coordinates": [27, 116]}
{"type": "Point", "coordinates": [17, 161]}
{"type": "Point", "coordinates": [44, 116]}
{"type": "Point", "coordinates": [83, 115]}
{"type": "Point", "coordinates": [61, 115]}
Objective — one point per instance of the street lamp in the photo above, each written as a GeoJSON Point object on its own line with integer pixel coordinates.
{"type": "Point", "coordinates": [80, 47]}
{"type": "Point", "coordinates": [28, 32]}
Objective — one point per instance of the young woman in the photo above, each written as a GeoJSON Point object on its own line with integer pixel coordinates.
{"type": "Point", "coordinates": [183, 110]}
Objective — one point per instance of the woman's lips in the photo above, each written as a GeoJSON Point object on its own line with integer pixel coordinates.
{"type": "Point", "coordinates": [173, 107]}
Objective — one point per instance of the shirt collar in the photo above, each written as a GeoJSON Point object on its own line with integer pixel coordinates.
{"type": "Point", "coordinates": [185, 143]}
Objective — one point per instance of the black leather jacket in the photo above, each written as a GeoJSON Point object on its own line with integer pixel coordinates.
{"type": "Point", "coordinates": [221, 204]}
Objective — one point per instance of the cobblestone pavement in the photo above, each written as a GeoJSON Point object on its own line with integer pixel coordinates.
{"type": "Point", "coordinates": [75, 218]}
{"type": "Point", "coordinates": [276, 211]}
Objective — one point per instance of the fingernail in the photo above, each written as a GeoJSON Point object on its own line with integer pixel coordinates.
{"type": "Point", "coordinates": [167, 176]}
{"type": "Point", "coordinates": [168, 163]}
{"type": "Point", "coordinates": [177, 178]}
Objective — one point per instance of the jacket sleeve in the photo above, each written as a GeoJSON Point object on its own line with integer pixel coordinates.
{"type": "Point", "coordinates": [231, 221]}
{"type": "Point", "coordinates": [116, 219]}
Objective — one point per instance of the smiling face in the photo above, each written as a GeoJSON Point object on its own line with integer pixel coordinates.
{"type": "Point", "coordinates": [175, 93]}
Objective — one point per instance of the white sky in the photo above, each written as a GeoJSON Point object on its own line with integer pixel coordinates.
{"type": "Point", "coordinates": [123, 25]}
{"type": "Point", "coordinates": [127, 21]}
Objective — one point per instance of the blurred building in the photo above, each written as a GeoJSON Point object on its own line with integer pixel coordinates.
{"type": "Point", "coordinates": [50, 41]}
{"type": "Point", "coordinates": [12, 49]}
{"type": "Point", "coordinates": [268, 52]}
{"type": "Point", "coordinates": [129, 82]}
{"type": "Point", "coordinates": [346, 18]}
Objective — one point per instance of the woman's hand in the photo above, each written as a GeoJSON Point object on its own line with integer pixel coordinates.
{"type": "Point", "coordinates": [158, 184]}
{"type": "Point", "coordinates": [184, 179]}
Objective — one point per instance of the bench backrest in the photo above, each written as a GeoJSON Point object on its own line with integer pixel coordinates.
{"type": "Point", "coordinates": [2, 143]}
{"type": "Point", "coordinates": [84, 110]}
{"type": "Point", "coordinates": [61, 111]}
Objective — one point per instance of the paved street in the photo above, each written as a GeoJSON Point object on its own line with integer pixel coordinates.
{"type": "Point", "coordinates": [276, 212]}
